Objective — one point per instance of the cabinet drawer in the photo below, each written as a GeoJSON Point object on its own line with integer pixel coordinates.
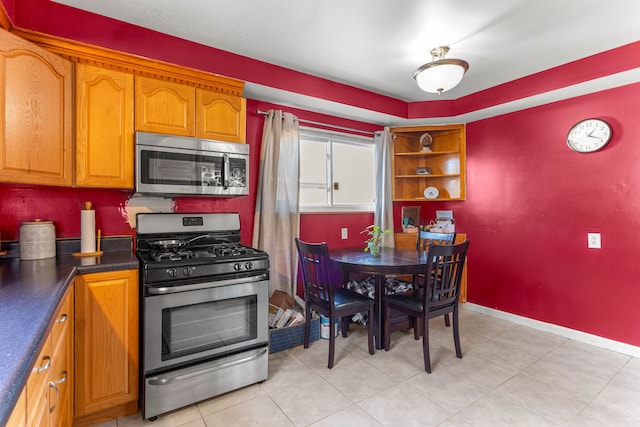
{"type": "Point", "coordinates": [63, 319]}
{"type": "Point", "coordinates": [18, 417]}
{"type": "Point", "coordinates": [38, 387]}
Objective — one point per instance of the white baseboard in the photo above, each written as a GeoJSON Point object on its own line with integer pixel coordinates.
{"type": "Point", "coordinates": [584, 337]}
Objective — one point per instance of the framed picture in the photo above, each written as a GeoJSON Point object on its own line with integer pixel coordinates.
{"type": "Point", "coordinates": [423, 171]}
{"type": "Point", "coordinates": [410, 219]}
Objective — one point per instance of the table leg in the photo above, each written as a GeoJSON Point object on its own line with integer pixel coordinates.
{"type": "Point", "coordinates": [378, 325]}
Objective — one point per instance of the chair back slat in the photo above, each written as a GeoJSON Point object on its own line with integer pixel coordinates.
{"type": "Point", "coordinates": [425, 238]}
{"type": "Point", "coordinates": [443, 272]}
{"type": "Point", "coordinates": [314, 265]}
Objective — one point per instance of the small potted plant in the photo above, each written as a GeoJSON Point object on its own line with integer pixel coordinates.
{"type": "Point", "coordinates": [374, 241]}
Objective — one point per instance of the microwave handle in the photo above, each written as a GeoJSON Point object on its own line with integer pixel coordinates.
{"type": "Point", "coordinates": [225, 172]}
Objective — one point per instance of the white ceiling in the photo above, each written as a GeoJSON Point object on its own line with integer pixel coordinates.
{"type": "Point", "coordinates": [377, 44]}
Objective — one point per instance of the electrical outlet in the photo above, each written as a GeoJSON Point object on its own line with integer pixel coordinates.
{"type": "Point", "coordinates": [593, 240]}
{"type": "Point", "coordinates": [345, 233]}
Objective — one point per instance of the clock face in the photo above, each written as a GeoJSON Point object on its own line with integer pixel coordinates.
{"type": "Point", "coordinates": [589, 135]}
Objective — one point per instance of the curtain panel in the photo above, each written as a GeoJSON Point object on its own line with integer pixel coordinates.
{"type": "Point", "coordinates": [383, 214]}
{"type": "Point", "coordinates": [277, 215]}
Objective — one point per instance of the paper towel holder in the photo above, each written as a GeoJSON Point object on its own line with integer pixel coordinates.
{"type": "Point", "coordinates": [98, 252]}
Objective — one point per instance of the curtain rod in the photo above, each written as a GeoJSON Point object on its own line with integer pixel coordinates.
{"type": "Point", "coordinates": [366, 132]}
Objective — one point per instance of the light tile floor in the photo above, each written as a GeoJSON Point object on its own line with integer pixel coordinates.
{"type": "Point", "coordinates": [510, 375]}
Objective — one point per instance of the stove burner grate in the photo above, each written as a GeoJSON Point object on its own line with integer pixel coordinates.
{"type": "Point", "coordinates": [230, 250]}
{"type": "Point", "coordinates": [176, 255]}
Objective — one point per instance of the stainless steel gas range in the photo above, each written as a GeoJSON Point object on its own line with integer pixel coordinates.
{"type": "Point", "coordinates": [204, 299]}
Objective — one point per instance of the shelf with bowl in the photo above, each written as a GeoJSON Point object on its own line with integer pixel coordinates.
{"type": "Point", "coordinates": [441, 164]}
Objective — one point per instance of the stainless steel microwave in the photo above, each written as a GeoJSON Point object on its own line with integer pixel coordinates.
{"type": "Point", "coordinates": [176, 165]}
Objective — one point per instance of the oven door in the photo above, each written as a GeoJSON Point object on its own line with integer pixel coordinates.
{"type": "Point", "coordinates": [218, 318]}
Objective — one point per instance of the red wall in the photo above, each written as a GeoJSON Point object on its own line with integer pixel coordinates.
{"type": "Point", "coordinates": [530, 200]}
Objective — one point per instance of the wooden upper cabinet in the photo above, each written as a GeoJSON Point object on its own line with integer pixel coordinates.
{"type": "Point", "coordinates": [104, 128]}
{"type": "Point", "coordinates": [220, 116]}
{"type": "Point", "coordinates": [164, 107]}
{"type": "Point", "coordinates": [36, 115]}
{"type": "Point", "coordinates": [177, 109]}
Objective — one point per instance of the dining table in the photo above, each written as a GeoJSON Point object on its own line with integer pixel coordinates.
{"type": "Point", "coordinates": [390, 261]}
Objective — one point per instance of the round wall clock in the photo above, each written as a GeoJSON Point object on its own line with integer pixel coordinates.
{"type": "Point", "coordinates": [589, 135]}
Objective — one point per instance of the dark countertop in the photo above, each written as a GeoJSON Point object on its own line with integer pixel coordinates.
{"type": "Point", "coordinates": [30, 292]}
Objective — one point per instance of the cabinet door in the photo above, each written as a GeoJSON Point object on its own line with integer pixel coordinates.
{"type": "Point", "coordinates": [35, 115]}
{"type": "Point", "coordinates": [104, 128]}
{"type": "Point", "coordinates": [106, 342]}
{"type": "Point", "coordinates": [220, 116]}
{"type": "Point", "coordinates": [164, 107]}
{"type": "Point", "coordinates": [61, 392]}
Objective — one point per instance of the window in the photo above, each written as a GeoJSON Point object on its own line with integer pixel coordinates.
{"type": "Point", "coordinates": [337, 171]}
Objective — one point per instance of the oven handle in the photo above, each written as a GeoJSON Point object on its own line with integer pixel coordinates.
{"type": "Point", "coordinates": [197, 286]}
{"type": "Point", "coordinates": [170, 380]}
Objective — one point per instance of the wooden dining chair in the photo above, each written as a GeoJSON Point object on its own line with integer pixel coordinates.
{"type": "Point", "coordinates": [439, 296]}
{"type": "Point", "coordinates": [424, 239]}
{"type": "Point", "coordinates": [329, 299]}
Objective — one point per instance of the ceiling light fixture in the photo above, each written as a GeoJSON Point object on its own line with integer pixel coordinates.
{"type": "Point", "coordinates": [440, 74]}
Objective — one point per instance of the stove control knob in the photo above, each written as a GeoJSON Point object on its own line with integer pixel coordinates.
{"type": "Point", "coordinates": [187, 271]}
{"type": "Point", "coordinates": [237, 266]}
{"type": "Point", "coordinates": [172, 272]}
{"type": "Point", "coordinates": [247, 266]}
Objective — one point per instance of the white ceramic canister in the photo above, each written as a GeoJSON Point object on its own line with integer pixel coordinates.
{"type": "Point", "coordinates": [37, 240]}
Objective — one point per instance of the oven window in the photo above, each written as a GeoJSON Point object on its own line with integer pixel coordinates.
{"type": "Point", "coordinates": [199, 327]}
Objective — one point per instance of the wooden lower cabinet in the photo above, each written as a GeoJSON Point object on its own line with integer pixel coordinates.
{"type": "Point", "coordinates": [408, 240]}
{"type": "Point", "coordinates": [61, 386]}
{"type": "Point", "coordinates": [106, 346]}
{"type": "Point", "coordinates": [46, 399]}
{"type": "Point", "coordinates": [38, 388]}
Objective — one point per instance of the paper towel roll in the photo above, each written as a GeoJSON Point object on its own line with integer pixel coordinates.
{"type": "Point", "coordinates": [87, 231]}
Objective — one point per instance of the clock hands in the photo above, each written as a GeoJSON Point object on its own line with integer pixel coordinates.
{"type": "Point", "coordinates": [589, 135]}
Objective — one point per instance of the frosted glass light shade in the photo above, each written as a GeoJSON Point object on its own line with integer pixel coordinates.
{"type": "Point", "coordinates": [440, 76]}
